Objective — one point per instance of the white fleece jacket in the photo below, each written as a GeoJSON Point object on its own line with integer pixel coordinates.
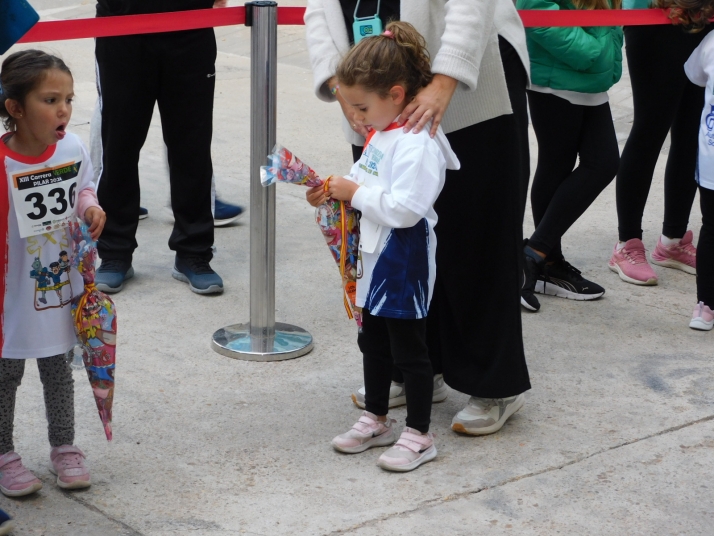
{"type": "Point", "coordinates": [462, 39]}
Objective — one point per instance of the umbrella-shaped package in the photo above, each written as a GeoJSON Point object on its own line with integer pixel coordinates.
{"type": "Point", "coordinates": [337, 220]}
{"type": "Point", "coordinates": [95, 322]}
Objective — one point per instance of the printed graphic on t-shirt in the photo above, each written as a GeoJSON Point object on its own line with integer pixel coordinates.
{"type": "Point", "coordinates": [709, 123]}
{"type": "Point", "coordinates": [373, 156]}
{"type": "Point", "coordinates": [44, 198]}
{"type": "Point", "coordinates": [53, 287]}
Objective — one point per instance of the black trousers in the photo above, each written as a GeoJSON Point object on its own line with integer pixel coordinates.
{"type": "Point", "coordinates": [705, 249]}
{"type": "Point", "coordinates": [664, 99]}
{"type": "Point", "coordinates": [561, 194]}
{"type": "Point", "coordinates": [387, 342]}
{"type": "Point", "coordinates": [177, 70]}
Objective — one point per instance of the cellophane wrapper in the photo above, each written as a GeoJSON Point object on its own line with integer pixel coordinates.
{"type": "Point", "coordinates": [95, 323]}
{"type": "Point", "coordinates": [284, 166]}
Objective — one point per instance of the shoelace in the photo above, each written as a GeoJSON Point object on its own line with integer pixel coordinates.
{"type": "Point", "coordinates": [70, 460]}
{"type": "Point", "coordinates": [635, 256]}
{"type": "Point", "coordinates": [113, 265]}
{"type": "Point", "coordinates": [688, 248]}
{"type": "Point", "coordinates": [572, 269]}
{"type": "Point", "coordinates": [198, 265]}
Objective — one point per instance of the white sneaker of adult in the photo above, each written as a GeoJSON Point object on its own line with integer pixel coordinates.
{"type": "Point", "coordinates": [483, 416]}
{"type": "Point", "coordinates": [397, 393]}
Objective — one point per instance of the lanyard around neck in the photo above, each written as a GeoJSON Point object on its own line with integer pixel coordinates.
{"type": "Point", "coordinates": [379, 3]}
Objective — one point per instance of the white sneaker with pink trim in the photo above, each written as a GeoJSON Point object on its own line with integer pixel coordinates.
{"type": "Point", "coordinates": [366, 433]}
{"type": "Point", "coordinates": [412, 450]}
{"type": "Point", "coordinates": [702, 318]}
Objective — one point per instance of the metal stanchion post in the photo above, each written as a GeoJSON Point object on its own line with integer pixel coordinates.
{"type": "Point", "coordinates": [262, 339]}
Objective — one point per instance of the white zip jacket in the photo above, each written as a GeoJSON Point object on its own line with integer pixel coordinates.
{"type": "Point", "coordinates": [462, 39]}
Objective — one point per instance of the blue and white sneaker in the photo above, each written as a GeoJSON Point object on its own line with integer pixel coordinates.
{"type": "Point", "coordinates": [6, 524]}
{"type": "Point", "coordinates": [143, 213]}
{"type": "Point", "coordinates": [198, 274]}
{"type": "Point", "coordinates": [225, 213]}
{"type": "Point", "coordinates": [112, 274]}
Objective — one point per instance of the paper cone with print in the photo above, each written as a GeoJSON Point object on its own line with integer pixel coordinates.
{"type": "Point", "coordinates": [95, 323]}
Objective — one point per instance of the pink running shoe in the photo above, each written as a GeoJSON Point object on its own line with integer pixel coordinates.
{"type": "Point", "coordinates": [631, 264]}
{"type": "Point", "coordinates": [702, 318]}
{"type": "Point", "coordinates": [366, 433]}
{"type": "Point", "coordinates": [682, 256]}
{"type": "Point", "coordinates": [68, 465]}
{"type": "Point", "coordinates": [16, 480]}
{"type": "Point", "coordinates": [412, 450]}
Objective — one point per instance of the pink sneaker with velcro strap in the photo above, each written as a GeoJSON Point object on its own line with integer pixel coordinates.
{"type": "Point", "coordinates": [16, 480]}
{"type": "Point", "coordinates": [67, 462]}
{"type": "Point", "coordinates": [412, 450]}
{"type": "Point", "coordinates": [366, 433]}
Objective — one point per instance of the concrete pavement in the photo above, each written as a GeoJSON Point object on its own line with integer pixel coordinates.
{"type": "Point", "coordinates": [616, 437]}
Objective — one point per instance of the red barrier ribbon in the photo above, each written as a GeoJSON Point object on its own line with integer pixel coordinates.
{"type": "Point", "coordinates": [231, 16]}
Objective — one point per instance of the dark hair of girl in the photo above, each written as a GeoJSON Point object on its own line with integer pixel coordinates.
{"type": "Point", "coordinates": [692, 15]}
{"type": "Point", "coordinates": [399, 56]}
{"type": "Point", "coordinates": [21, 73]}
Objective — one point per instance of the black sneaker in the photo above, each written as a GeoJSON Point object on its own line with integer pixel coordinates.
{"type": "Point", "coordinates": [531, 271]}
{"type": "Point", "coordinates": [564, 280]}
{"type": "Point", "coordinates": [198, 274]}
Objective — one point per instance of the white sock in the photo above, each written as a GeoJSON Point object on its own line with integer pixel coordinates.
{"type": "Point", "coordinates": [669, 241]}
{"type": "Point", "coordinates": [619, 246]}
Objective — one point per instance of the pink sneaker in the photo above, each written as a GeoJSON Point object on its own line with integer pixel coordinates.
{"type": "Point", "coordinates": [631, 263]}
{"type": "Point", "coordinates": [682, 256]}
{"type": "Point", "coordinates": [412, 450]}
{"type": "Point", "coordinates": [366, 433]}
{"type": "Point", "coordinates": [702, 318]}
{"type": "Point", "coordinates": [68, 465]}
{"type": "Point", "coordinates": [16, 480]}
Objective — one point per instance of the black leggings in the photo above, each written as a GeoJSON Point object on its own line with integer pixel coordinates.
{"type": "Point", "coordinates": [561, 194]}
{"type": "Point", "coordinates": [705, 249]}
{"type": "Point", "coordinates": [385, 342]}
{"type": "Point", "coordinates": [663, 99]}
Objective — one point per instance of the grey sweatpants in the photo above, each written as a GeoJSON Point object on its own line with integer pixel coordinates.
{"type": "Point", "coordinates": [58, 387]}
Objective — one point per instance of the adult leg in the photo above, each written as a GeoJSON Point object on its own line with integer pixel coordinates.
{"type": "Point", "coordinates": [705, 249]}
{"type": "Point", "coordinates": [517, 81]}
{"type": "Point", "coordinates": [58, 388]}
{"type": "Point", "coordinates": [679, 186]}
{"type": "Point", "coordinates": [407, 341]}
{"type": "Point", "coordinates": [558, 125]}
{"type": "Point", "coordinates": [476, 301]}
{"type": "Point", "coordinates": [127, 83]}
{"type": "Point", "coordinates": [599, 159]}
{"type": "Point", "coordinates": [11, 372]}
{"type": "Point", "coordinates": [374, 343]}
{"type": "Point", "coordinates": [186, 106]}
{"type": "Point", "coordinates": [654, 60]}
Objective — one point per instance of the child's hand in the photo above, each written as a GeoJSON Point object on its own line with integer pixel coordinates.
{"type": "Point", "coordinates": [341, 189]}
{"type": "Point", "coordinates": [220, 3]}
{"type": "Point", "coordinates": [316, 196]}
{"type": "Point", "coordinates": [95, 218]}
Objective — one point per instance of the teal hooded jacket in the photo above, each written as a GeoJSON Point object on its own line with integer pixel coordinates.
{"type": "Point", "coordinates": [587, 60]}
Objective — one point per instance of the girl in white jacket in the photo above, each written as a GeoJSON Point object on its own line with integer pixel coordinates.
{"type": "Point", "coordinates": [394, 184]}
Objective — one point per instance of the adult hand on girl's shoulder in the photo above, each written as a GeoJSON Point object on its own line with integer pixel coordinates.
{"type": "Point", "coordinates": [341, 189]}
{"type": "Point", "coordinates": [95, 218]}
{"type": "Point", "coordinates": [316, 196]}
{"type": "Point", "coordinates": [430, 104]}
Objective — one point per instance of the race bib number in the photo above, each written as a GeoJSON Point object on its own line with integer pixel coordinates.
{"type": "Point", "coordinates": [44, 199]}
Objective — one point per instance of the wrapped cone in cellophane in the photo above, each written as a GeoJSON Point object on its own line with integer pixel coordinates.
{"type": "Point", "coordinates": [95, 322]}
{"type": "Point", "coordinates": [337, 220]}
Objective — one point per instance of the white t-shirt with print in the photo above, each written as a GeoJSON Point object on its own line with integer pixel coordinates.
{"type": "Point", "coordinates": [400, 176]}
{"type": "Point", "coordinates": [38, 283]}
{"type": "Point", "coordinates": [700, 70]}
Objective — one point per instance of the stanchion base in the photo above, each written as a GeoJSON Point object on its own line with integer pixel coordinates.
{"type": "Point", "coordinates": [235, 342]}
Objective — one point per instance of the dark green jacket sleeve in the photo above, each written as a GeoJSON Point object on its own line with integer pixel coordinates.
{"type": "Point", "coordinates": [572, 45]}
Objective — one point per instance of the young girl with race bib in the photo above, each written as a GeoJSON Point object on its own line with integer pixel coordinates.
{"type": "Point", "coordinates": [700, 70]}
{"type": "Point", "coordinates": [394, 184]}
{"type": "Point", "coordinates": [48, 184]}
